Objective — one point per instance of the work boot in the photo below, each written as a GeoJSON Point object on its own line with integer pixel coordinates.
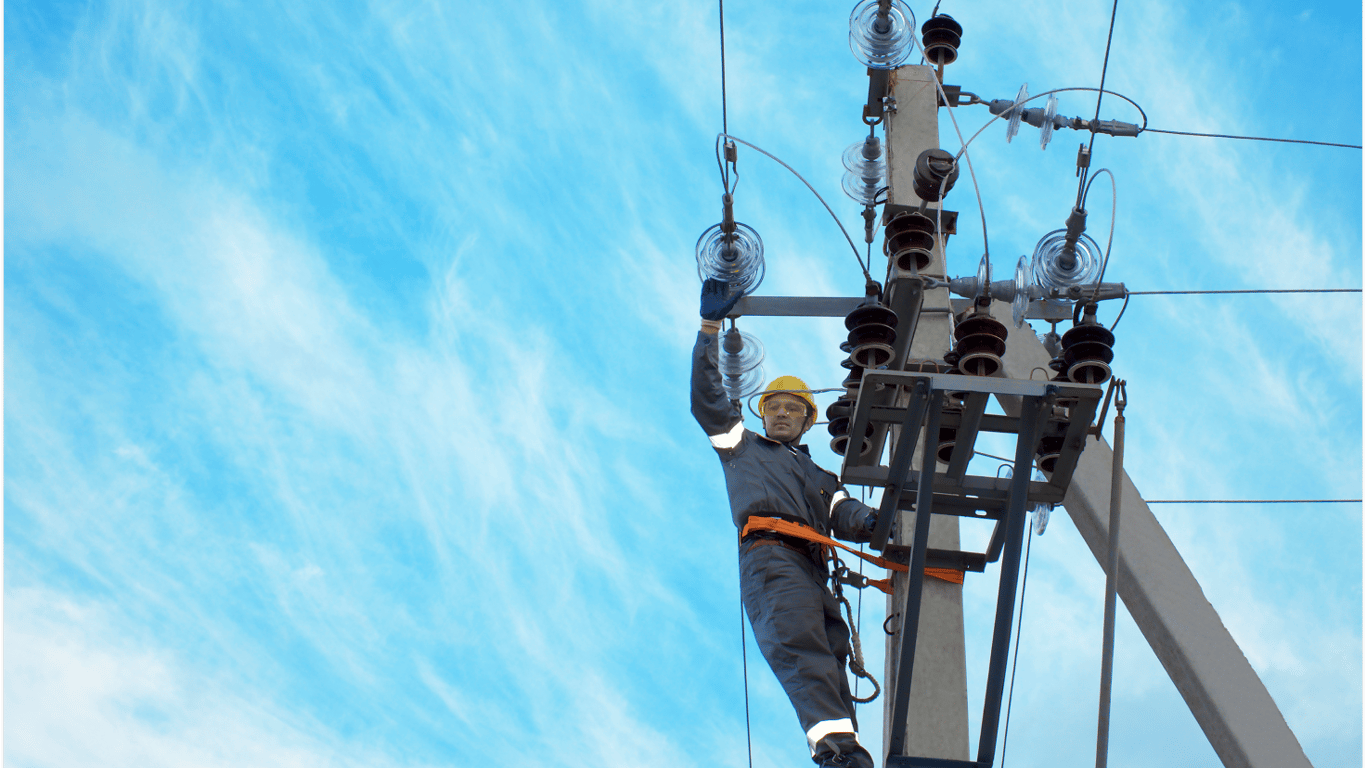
{"type": "Point", "coordinates": [841, 750]}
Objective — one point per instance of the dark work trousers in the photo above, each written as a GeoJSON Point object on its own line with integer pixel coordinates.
{"type": "Point", "coordinates": [798, 627]}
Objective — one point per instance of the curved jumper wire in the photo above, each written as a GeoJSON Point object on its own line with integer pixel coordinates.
{"type": "Point", "coordinates": [1114, 204]}
{"type": "Point", "coordinates": [838, 223]}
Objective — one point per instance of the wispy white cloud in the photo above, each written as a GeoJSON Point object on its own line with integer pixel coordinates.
{"type": "Point", "coordinates": [302, 378]}
{"type": "Point", "coordinates": [84, 692]}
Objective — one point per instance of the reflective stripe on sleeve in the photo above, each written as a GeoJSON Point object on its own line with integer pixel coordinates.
{"type": "Point", "coordinates": [835, 500]}
{"type": "Point", "coordinates": [825, 728]}
{"type": "Point", "coordinates": [728, 440]}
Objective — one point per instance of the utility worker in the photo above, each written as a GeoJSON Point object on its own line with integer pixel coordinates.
{"type": "Point", "coordinates": [796, 618]}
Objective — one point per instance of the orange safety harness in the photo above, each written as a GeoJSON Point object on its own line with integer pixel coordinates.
{"type": "Point", "coordinates": [798, 531]}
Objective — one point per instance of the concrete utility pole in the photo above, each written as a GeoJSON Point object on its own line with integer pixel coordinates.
{"type": "Point", "coordinates": [938, 721]}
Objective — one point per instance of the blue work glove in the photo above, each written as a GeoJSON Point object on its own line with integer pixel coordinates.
{"type": "Point", "coordinates": [718, 299]}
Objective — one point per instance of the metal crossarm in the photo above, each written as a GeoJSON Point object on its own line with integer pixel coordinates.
{"type": "Point", "coordinates": [1058, 410]}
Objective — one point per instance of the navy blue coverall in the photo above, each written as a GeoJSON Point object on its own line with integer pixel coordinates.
{"type": "Point", "coordinates": [796, 619]}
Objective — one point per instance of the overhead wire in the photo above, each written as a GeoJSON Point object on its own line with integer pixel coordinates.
{"type": "Point", "coordinates": [1252, 501]}
{"type": "Point", "coordinates": [1104, 67]}
{"type": "Point", "coordinates": [726, 184]}
{"type": "Point", "coordinates": [721, 6]}
{"type": "Point", "coordinates": [1144, 126]}
{"type": "Point", "coordinates": [1246, 290]}
{"type": "Point", "coordinates": [1127, 294]}
{"type": "Point", "coordinates": [1251, 138]}
{"type": "Point", "coordinates": [1015, 657]}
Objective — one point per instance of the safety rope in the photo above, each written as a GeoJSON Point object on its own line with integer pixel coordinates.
{"type": "Point", "coordinates": [856, 658]}
{"type": "Point", "coordinates": [863, 497]}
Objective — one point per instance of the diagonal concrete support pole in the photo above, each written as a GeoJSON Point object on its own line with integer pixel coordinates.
{"type": "Point", "coordinates": [1228, 699]}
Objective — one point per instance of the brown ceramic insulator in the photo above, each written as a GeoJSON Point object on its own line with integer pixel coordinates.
{"type": "Point", "coordinates": [980, 354]}
{"type": "Point", "coordinates": [1087, 350]}
{"type": "Point", "coordinates": [910, 240]}
{"type": "Point", "coordinates": [935, 173]}
{"type": "Point", "coordinates": [1048, 451]}
{"type": "Point", "coordinates": [980, 323]}
{"type": "Point", "coordinates": [853, 381]}
{"type": "Point", "coordinates": [842, 408]}
{"type": "Point", "coordinates": [980, 340]}
{"type": "Point", "coordinates": [840, 443]}
{"type": "Point", "coordinates": [941, 36]}
{"type": "Point", "coordinates": [869, 313]}
{"type": "Point", "coordinates": [872, 345]}
{"type": "Point", "coordinates": [948, 438]}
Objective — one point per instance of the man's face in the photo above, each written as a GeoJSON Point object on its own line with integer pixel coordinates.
{"type": "Point", "coordinates": [785, 417]}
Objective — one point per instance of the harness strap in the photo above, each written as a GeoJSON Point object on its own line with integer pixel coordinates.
{"type": "Point", "coordinates": [795, 530]}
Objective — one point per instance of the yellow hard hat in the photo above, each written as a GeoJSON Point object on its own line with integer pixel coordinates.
{"type": "Point", "coordinates": [788, 385]}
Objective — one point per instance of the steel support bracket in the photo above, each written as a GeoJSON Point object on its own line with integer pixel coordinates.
{"type": "Point", "coordinates": [1059, 409]}
{"type": "Point", "coordinates": [878, 80]}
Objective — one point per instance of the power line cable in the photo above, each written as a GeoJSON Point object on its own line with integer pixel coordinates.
{"type": "Point", "coordinates": [725, 181]}
{"type": "Point", "coordinates": [1127, 294]}
{"type": "Point", "coordinates": [1252, 501]}
{"type": "Point", "coordinates": [1019, 631]}
{"type": "Point", "coordinates": [1100, 96]}
{"type": "Point", "coordinates": [1252, 138]}
{"type": "Point", "coordinates": [725, 128]}
{"type": "Point", "coordinates": [1246, 290]}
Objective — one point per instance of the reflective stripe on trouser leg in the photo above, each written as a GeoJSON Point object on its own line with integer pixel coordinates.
{"type": "Point", "coordinates": [826, 727]}
{"type": "Point", "coordinates": [798, 628]}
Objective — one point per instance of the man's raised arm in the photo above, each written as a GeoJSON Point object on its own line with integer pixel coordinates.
{"type": "Point", "coordinates": [711, 406]}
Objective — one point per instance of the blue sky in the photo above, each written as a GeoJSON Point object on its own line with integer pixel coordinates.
{"type": "Point", "coordinates": [346, 355]}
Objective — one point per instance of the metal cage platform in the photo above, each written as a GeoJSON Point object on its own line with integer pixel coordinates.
{"type": "Point", "coordinates": [1059, 413]}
